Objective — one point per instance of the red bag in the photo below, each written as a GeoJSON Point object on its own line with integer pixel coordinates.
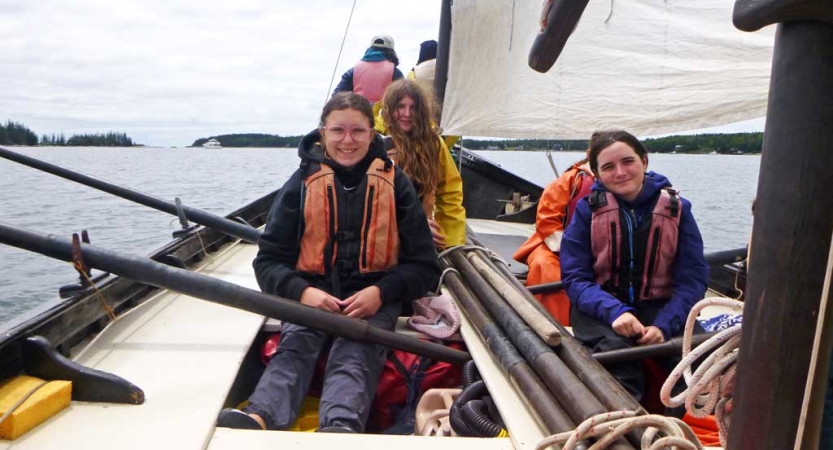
{"type": "Point", "coordinates": [404, 379]}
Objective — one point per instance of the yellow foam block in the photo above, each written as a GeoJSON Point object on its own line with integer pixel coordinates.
{"type": "Point", "coordinates": [307, 416]}
{"type": "Point", "coordinates": [43, 404]}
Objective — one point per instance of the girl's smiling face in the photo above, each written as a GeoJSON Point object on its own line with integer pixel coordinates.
{"type": "Point", "coordinates": [347, 135]}
{"type": "Point", "coordinates": [404, 114]}
{"type": "Point", "coordinates": [622, 170]}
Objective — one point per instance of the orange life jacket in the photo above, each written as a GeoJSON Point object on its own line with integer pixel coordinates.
{"type": "Point", "coordinates": [379, 234]}
{"type": "Point", "coordinates": [607, 238]}
{"type": "Point", "coordinates": [580, 185]}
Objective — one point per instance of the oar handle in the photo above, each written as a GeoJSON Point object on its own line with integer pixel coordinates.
{"type": "Point", "coordinates": [665, 349]}
{"type": "Point", "coordinates": [206, 219]}
{"type": "Point", "coordinates": [224, 293]}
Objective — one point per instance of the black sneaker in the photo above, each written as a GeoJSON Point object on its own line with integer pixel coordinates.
{"type": "Point", "coordinates": [335, 429]}
{"type": "Point", "coordinates": [234, 418]}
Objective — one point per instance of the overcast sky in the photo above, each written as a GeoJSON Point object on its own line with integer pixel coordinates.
{"type": "Point", "coordinates": [168, 72]}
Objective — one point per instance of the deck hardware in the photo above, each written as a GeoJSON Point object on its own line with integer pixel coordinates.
{"type": "Point", "coordinates": [43, 361]}
{"type": "Point", "coordinates": [242, 220]}
{"type": "Point", "coordinates": [172, 260]}
{"type": "Point", "coordinates": [187, 228]}
{"type": "Point", "coordinates": [85, 276]}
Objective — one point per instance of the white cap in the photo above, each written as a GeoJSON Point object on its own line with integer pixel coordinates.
{"type": "Point", "coordinates": [382, 41]}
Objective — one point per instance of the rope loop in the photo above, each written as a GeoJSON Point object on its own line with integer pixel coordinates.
{"type": "Point", "coordinates": [709, 388]}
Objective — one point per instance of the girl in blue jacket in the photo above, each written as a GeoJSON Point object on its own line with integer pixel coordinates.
{"type": "Point", "coordinates": [632, 257]}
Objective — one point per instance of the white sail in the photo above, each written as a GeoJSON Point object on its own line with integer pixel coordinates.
{"type": "Point", "coordinates": [648, 66]}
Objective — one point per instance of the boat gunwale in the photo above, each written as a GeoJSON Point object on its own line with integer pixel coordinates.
{"type": "Point", "coordinates": [73, 320]}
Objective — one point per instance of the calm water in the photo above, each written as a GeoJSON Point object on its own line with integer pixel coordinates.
{"type": "Point", "coordinates": [221, 180]}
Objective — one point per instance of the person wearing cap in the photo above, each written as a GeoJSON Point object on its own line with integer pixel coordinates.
{"type": "Point", "coordinates": [374, 72]}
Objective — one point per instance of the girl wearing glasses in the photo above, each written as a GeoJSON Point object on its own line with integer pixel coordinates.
{"type": "Point", "coordinates": [345, 235]}
{"type": "Point", "coordinates": [420, 151]}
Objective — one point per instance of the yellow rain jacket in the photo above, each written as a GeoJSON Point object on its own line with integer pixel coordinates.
{"type": "Point", "coordinates": [448, 208]}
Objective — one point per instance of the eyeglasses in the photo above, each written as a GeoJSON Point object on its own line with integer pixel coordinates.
{"type": "Point", "coordinates": [339, 132]}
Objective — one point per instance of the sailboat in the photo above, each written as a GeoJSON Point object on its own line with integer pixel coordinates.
{"type": "Point", "coordinates": [171, 361]}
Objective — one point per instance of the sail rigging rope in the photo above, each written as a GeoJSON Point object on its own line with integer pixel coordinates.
{"type": "Point", "coordinates": [512, 26]}
{"type": "Point", "coordinates": [111, 313]}
{"type": "Point", "coordinates": [711, 386]}
{"type": "Point", "coordinates": [338, 58]}
{"type": "Point", "coordinates": [611, 11]}
{"type": "Point", "coordinates": [552, 164]}
{"type": "Point", "coordinates": [202, 244]}
{"type": "Point", "coordinates": [442, 277]}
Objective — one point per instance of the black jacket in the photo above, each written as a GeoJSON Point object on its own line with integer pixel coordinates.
{"type": "Point", "coordinates": [279, 246]}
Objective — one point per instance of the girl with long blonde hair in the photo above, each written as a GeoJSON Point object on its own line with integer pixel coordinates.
{"type": "Point", "coordinates": [415, 145]}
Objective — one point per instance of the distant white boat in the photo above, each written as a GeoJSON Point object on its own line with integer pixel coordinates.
{"type": "Point", "coordinates": [212, 143]}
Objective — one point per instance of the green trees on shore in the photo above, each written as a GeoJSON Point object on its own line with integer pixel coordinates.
{"type": "Point", "coordinates": [17, 134]}
{"type": "Point", "coordinates": [110, 139]}
{"type": "Point", "coordinates": [736, 143]}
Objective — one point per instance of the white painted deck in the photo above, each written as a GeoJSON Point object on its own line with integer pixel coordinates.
{"type": "Point", "coordinates": [226, 439]}
{"type": "Point", "coordinates": [495, 227]}
{"type": "Point", "coordinates": [183, 352]}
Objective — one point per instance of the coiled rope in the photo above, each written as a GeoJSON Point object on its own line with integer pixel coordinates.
{"type": "Point", "coordinates": [614, 425]}
{"type": "Point", "coordinates": [709, 389]}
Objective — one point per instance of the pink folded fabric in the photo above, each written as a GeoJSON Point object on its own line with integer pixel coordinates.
{"type": "Point", "coordinates": [437, 317]}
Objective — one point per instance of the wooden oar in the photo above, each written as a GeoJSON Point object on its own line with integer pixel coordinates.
{"type": "Point", "coordinates": [224, 293]}
{"type": "Point", "coordinates": [230, 227]}
{"type": "Point", "coordinates": [713, 259]}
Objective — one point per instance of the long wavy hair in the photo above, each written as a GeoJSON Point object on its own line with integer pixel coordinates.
{"type": "Point", "coordinates": [417, 152]}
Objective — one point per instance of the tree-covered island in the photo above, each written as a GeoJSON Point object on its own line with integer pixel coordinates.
{"type": "Point", "coordinates": [13, 133]}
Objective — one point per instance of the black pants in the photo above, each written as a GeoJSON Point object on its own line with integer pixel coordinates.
{"type": "Point", "coordinates": [353, 370]}
{"type": "Point", "coordinates": [598, 336]}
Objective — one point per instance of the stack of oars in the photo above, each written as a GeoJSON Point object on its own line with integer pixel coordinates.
{"type": "Point", "coordinates": [558, 378]}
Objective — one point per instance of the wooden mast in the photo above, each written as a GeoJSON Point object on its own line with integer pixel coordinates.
{"type": "Point", "coordinates": [792, 226]}
{"type": "Point", "coordinates": [443, 49]}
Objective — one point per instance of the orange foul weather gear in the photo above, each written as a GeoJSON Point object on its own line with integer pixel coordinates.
{"type": "Point", "coordinates": [540, 251]}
